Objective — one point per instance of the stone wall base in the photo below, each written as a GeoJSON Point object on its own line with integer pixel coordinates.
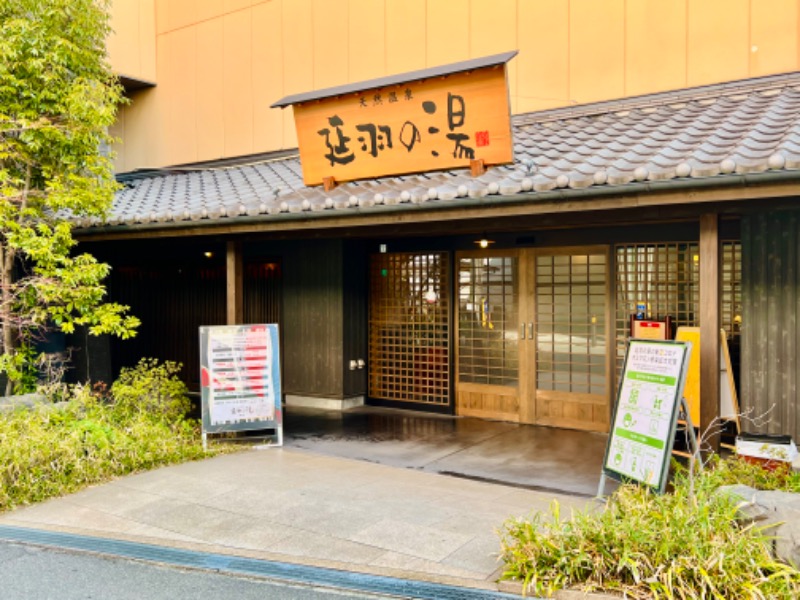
{"type": "Point", "coordinates": [324, 403]}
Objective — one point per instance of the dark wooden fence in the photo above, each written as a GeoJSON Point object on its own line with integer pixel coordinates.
{"type": "Point", "coordinates": [174, 299]}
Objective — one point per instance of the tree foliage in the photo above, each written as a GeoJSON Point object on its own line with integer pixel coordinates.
{"type": "Point", "coordinates": [58, 96]}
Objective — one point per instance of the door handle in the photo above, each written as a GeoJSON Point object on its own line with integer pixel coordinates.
{"type": "Point", "coordinates": [522, 331]}
{"type": "Point", "coordinates": [530, 330]}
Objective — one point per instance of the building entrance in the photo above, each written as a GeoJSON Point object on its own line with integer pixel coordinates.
{"type": "Point", "coordinates": [534, 337]}
{"type": "Point", "coordinates": [409, 330]}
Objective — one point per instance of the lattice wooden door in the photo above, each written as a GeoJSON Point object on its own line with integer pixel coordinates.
{"type": "Point", "coordinates": [574, 347]}
{"type": "Point", "coordinates": [409, 328]}
{"type": "Point", "coordinates": [487, 380]}
{"type": "Point", "coordinates": [535, 337]}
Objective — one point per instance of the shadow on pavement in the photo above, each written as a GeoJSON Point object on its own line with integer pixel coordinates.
{"type": "Point", "coordinates": [527, 456]}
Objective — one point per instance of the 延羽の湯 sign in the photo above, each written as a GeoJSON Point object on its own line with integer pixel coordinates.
{"type": "Point", "coordinates": [430, 124]}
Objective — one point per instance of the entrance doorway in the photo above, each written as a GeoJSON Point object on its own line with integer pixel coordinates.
{"type": "Point", "coordinates": [409, 330]}
{"type": "Point", "coordinates": [534, 337]}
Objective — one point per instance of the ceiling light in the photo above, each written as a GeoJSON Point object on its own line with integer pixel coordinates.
{"type": "Point", "coordinates": [484, 242]}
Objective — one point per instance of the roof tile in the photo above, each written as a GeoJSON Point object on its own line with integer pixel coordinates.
{"type": "Point", "coordinates": [745, 128]}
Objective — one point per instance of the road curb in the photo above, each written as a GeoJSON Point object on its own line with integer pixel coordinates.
{"type": "Point", "coordinates": [237, 565]}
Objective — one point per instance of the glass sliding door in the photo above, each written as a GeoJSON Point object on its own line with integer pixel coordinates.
{"type": "Point", "coordinates": [573, 349]}
{"type": "Point", "coordinates": [534, 338]}
{"type": "Point", "coordinates": [488, 339]}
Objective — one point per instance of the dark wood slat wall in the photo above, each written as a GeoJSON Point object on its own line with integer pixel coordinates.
{"type": "Point", "coordinates": [354, 324]}
{"type": "Point", "coordinates": [313, 333]}
{"type": "Point", "coordinates": [263, 291]}
{"type": "Point", "coordinates": [174, 298]}
{"type": "Point", "coordinates": [771, 302]}
{"type": "Point", "coordinates": [297, 284]}
{"type": "Point", "coordinates": [172, 302]}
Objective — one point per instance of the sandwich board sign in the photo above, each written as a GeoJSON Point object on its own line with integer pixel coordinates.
{"type": "Point", "coordinates": [728, 399]}
{"type": "Point", "coordinates": [240, 379]}
{"type": "Point", "coordinates": [646, 412]}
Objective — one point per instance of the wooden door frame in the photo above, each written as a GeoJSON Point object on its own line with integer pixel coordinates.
{"type": "Point", "coordinates": [610, 312]}
{"type": "Point", "coordinates": [527, 326]}
{"type": "Point", "coordinates": [480, 387]}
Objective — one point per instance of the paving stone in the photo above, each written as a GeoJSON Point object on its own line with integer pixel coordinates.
{"type": "Point", "coordinates": [424, 542]}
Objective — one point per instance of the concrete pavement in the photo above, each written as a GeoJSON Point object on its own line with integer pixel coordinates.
{"type": "Point", "coordinates": [293, 505]}
{"type": "Point", "coordinates": [543, 458]}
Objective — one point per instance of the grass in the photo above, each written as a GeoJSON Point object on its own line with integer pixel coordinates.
{"type": "Point", "coordinates": [729, 472]}
{"type": "Point", "coordinates": [96, 435]}
{"type": "Point", "coordinates": [646, 545]}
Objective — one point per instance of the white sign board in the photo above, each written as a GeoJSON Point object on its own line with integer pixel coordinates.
{"type": "Point", "coordinates": [646, 411]}
{"type": "Point", "coordinates": [240, 378]}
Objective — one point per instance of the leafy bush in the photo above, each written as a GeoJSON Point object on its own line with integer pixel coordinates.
{"type": "Point", "coordinates": [732, 471]}
{"type": "Point", "coordinates": [151, 387]}
{"type": "Point", "coordinates": [647, 545]}
{"type": "Point", "coordinates": [52, 450]}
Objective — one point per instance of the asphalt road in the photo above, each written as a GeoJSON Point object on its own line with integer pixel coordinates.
{"type": "Point", "coordinates": [34, 573]}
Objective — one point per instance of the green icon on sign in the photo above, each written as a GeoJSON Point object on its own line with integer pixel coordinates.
{"type": "Point", "coordinates": [634, 398]}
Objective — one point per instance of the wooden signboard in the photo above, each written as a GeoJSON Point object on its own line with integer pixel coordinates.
{"type": "Point", "coordinates": [426, 125]}
{"type": "Point", "coordinates": [646, 412]}
{"type": "Point", "coordinates": [729, 401]}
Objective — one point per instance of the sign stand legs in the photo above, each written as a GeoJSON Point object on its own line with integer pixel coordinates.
{"type": "Point", "coordinates": [601, 489]}
{"type": "Point", "coordinates": [693, 447]}
{"type": "Point", "coordinates": [274, 441]}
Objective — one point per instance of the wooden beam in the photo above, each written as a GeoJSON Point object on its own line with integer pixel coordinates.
{"type": "Point", "coordinates": [709, 325]}
{"type": "Point", "coordinates": [235, 283]}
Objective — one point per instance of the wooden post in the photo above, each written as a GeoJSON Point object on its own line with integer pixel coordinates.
{"type": "Point", "coordinates": [235, 286]}
{"type": "Point", "coordinates": [477, 167]}
{"type": "Point", "coordinates": [709, 325]}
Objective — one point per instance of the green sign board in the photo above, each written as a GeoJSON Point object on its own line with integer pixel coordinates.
{"type": "Point", "coordinates": [646, 412]}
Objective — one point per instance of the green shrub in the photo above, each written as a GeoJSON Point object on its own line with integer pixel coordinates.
{"type": "Point", "coordinates": [52, 450]}
{"type": "Point", "coordinates": [647, 545]}
{"type": "Point", "coordinates": [151, 387]}
{"type": "Point", "coordinates": [732, 471]}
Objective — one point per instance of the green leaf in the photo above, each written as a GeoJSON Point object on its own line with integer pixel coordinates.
{"type": "Point", "coordinates": [58, 96]}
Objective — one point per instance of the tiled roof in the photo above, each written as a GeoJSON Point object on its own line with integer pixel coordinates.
{"type": "Point", "coordinates": [746, 127]}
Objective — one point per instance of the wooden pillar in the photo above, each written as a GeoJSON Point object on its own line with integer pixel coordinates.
{"type": "Point", "coordinates": [233, 274]}
{"type": "Point", "coordinates": [709, 325]}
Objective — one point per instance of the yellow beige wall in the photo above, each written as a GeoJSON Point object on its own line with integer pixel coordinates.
{"type": "Point", "coordinates": [219, 64]}
{"type": "Point", "coordinates": [132, 44]}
